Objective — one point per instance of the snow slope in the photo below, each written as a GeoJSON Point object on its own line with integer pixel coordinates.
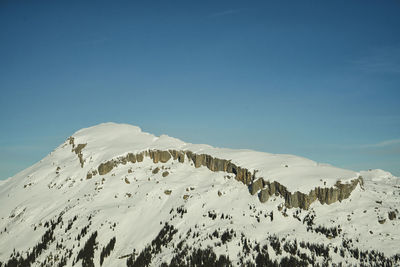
{"type": "Point", "coordinates": [110, 140]}
{"type": "Point", "coordinates": [134, 201]}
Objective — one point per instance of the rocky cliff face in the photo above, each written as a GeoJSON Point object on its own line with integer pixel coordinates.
{"type": "Point", "coordinates": [302, 200]}
{"type": "Point", "coordinates": [259, 186]}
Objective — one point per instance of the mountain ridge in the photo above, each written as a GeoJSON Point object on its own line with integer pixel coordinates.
{"type": "Point", "coordinates": [264, 162]}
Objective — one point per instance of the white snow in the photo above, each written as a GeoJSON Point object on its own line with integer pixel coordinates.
{"type": "Point", "coordinates": [132, 197]}
{"type": "Point", "coordinates": [110, 140]}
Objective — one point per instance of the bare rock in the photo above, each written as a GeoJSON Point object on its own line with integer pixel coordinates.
{"type": "Point", "coordinates": [256, 186]}
{"type": "Point", "coordinates": [78, 151]}
{"type": "Point", "coordinates": [264, 195]}
{"type": "Point", "coordinates": [131, 157]}
{"type": "Point", "coordinates": [106, 167]}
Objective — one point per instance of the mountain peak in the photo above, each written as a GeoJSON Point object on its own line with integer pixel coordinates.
{"type": "Point", "coordinates": [109, 129]}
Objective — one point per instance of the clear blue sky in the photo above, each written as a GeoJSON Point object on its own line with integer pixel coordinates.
{"type": "Point", "coordinates": [313, 78]}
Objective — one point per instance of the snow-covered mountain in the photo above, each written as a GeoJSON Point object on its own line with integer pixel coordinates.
{"type": "Point", "coordinates": [113, 195]}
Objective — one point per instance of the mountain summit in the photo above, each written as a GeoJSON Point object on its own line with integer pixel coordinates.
{"type": "Point", "coordinates": [113, 195]}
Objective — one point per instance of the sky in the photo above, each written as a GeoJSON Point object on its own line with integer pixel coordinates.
{"type": "Point", "coordinates": [318, 79]}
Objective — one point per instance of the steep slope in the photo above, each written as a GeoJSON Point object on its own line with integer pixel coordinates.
{"type": "Point", "coordinates": [116, 196]}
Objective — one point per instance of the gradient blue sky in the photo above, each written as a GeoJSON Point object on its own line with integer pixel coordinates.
{"type": "Point", "coordinates": [311, 78]}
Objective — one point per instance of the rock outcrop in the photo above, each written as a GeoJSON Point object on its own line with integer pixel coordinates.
{"type": "Point", "coordinates": [265, 189]}
{"type": "Point", "coordinates": [264, 195]}
{"type": "Point", "coordinates": [77, 149]}
{"type": "Point", "coordinates": [158, 155]}
{"type": "Point", "coordinates": [214, 164]}
{"type": "Point", "coordinates": [106, 167]}
{"type": "Point", "coordinates": [392, 215]}
{"type": "Point", "coordinates": [301, 200]}
{"type": "Point", "coordinates": [256, 186]}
